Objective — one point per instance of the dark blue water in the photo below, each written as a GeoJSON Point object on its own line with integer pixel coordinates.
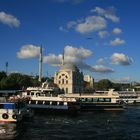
{"type": "Point", "coordinates": [95, 125]}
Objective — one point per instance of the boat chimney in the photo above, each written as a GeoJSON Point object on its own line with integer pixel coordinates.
{"type": "Point", "coordinates": [40, 65]}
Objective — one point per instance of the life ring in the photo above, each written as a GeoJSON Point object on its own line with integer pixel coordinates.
{"type": "Point", "coordinates": [14, 116]}
{"type": "Point", "coordinates": [5, 116]}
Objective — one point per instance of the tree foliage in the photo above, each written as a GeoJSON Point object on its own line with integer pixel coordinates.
{"type": "Point", "coordinates": [104, 84]}
{"type": "Point", "coordinates": [2, 75]}
{"type": "Point", "coordinates": [17, 81]}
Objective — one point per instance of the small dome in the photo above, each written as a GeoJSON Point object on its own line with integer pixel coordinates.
{"type": "Point", "coordinates": [68, 67]}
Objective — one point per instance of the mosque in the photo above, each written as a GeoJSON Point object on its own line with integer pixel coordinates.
{"type": "Point", "coordinates": [70, 79]}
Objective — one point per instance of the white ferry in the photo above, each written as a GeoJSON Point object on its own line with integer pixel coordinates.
{"type": "Point", "coordinates": [129, 97]}
{"type": "Point", "coordinates": [99, 101]}
{"type": "Point", "coordinates": [47, 99]}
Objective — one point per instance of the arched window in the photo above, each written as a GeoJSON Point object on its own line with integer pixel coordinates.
{"type": "Point", "coordinates": [66, 81]}
{"type": "Point", "coordinates": [66, 90]}
{"type": "Point", "coordinates": [62, 81]}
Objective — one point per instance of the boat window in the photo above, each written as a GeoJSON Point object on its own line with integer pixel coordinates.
{"type": "Point", "coordinates": [48, 95]}
{"type": "Point", "coordinates": [107, 99]}
{"type": "Point", "coordinates": [83, 99]}
{"type": "Point", "coordinates": [32, 93]}
{"type": "Point", "coordinates": [1, 106]}
{"type": "Point", "coordinates": [37, 94]}
{"type": "Point", "coordinates": [100, 99]}
{"type": "Point", "coordinates": [33, 102]}
{"type": "Point", "coordinates": [95, 99]}
{"type": "Point", "coordinates": [47, 103]}
{"type": "Point", "coordinates": [42, 94]}
{"type": "Point", "coordinates": [89, 99]}
{"type": "Point", "coordinates": [40, 102]}
{"type": "Point", "coordinates": [54, 103]}
{"type": "Point", "coordinates": [61, 103]}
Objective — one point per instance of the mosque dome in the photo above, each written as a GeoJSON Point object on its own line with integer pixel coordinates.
{"type": "Point", "coordinates": [68, 67]}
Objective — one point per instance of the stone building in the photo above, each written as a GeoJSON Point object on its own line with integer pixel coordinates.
{"type": "Point", "coordinates": [69, 79]}
{"type": "Point", "coordinates": [89, 80]}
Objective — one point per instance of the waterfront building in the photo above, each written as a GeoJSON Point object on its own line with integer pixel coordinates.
{"type": "Point", "coordinates": [89, 80]}
{"type": "Point", "coordinates": [69, 79]}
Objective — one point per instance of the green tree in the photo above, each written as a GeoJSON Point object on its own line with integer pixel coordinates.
{"type": "Point", "coordinates": [2, 75]}
{"type": "Point", "coordinates": [17, 81]}
{"type": "Point", "coordinates": [104, 84]}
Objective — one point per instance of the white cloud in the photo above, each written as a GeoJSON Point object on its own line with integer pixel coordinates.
{"type": "Point", "coordinates": [91, 24]}
{"type": "Point", "coordinates": [28, 51]}
{"type": "Point", "coordinates": [75, 56]}
{"type": "Point", "coordinates": [102, 69]}
{"type": "Point", "coordinates": [108, 13]}
{"type": "Point", "coordinates": [103, 34]}
{"type": "Point", "coordinates": [117, 31]}
{"type": "Point", "coordinates": [117, 42]}
{"type": "Point", "coordinates": [121, 59]}
{"type": "Point", "coordinates": [9, 20]}
{"type": "Point", "coordinates": [101, 61]}
{"type": "Point", "coordinates": [52, 59]}
{"type": "Point", "coordinates": [71, 24]}
{"type": "Point", "coordinates": [72, 55]}
{"type": "Point", "coordinates": [122, 80]}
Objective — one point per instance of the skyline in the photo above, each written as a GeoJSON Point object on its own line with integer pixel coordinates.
{"type": "Point", "coordinates": [100, 37]}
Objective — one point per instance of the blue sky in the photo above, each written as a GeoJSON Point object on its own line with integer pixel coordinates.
{"type": "Point", "coordinates": [100, 36]}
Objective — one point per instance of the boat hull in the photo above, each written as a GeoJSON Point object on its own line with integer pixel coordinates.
{"type": "Point", "coordinates": [101, 107]}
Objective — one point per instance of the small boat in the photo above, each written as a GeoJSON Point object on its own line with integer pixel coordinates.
{"type": "Point", "coordinates": [11, 111]}
{"type": "Point", "coordinates": [12, 108]}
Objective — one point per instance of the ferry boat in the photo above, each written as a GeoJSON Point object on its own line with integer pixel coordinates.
{"type": "Point", "coordinates": [129, 97]}
{"type": "Point", "coordinates": [47, 99]}
{"type": "Point", "coordinates": [105, 101]}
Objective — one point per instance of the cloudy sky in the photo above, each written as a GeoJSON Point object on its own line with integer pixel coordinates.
{"type": "Point", "coordinates": [100, 36]}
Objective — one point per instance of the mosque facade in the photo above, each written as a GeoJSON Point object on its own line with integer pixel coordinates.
{"type": "Point", "coordinates": [69, 79]}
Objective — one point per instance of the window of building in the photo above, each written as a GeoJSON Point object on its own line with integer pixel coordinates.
{"type": "Point", "coordinates": [66, 81]}
{"type": "Point", "coordinates": [59, 82]}
{"type": "Point", "coordinates": [62, 81]}
{"type": "Point", "coordinates": [66, 90]}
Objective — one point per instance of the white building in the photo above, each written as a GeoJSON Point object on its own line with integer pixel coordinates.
{"type": "Point", "coordinates": [69, 79]}
{"type": "Point", "coordinates": [89, 80]}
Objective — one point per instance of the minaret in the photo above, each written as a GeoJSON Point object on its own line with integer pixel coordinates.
{"type": "Point", "coordinates": [40, 65]}
{"type": "Point", "coordinates": [63, 58]}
